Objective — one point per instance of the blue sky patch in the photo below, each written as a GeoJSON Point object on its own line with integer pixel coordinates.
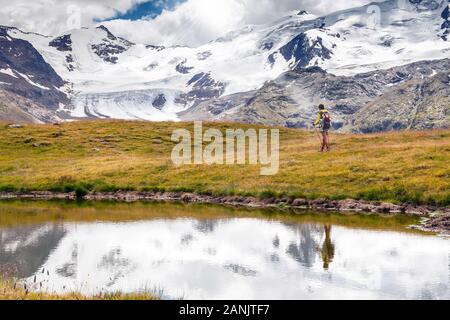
{"type": "Point", "coordinates": [147, 10]}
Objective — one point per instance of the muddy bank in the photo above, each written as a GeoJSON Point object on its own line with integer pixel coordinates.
{"type": "Point", "coordinates": [435, 219]}
{"type": "Point", "coordinates": [439, 223]}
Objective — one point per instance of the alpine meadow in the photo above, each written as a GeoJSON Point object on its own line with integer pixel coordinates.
{"type": "Point", "coordinates": [204, 155]}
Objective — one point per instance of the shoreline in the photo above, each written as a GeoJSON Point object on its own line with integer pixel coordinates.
{"type": "Point", "coordinates": [436, 219]}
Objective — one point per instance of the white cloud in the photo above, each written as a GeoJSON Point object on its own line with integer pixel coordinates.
{"type": "Point", "coordinates": [56, 16]}
{"type": "Point", "coordinates": [196, 22]}
{"type": "Point", "coordinates": [192, 22]}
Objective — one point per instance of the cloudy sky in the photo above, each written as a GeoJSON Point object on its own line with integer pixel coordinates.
{"type": "Point", "coordinates": [168, 22]}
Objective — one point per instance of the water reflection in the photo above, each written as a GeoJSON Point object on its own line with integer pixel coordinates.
{"type": "Point", "coordinates": [241, 258]}
{"type": "Point", "coordinates": [327, 251]}
{"type": "Point", "coordinates": [304, 248]}
{"type": "Point", "coordinates": [24, 249]}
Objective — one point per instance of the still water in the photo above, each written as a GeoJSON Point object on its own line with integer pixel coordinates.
{"type": "Point", "coordinates": [230, 255]}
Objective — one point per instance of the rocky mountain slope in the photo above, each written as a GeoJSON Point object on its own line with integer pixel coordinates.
{"type": "Point", "coordinates": [32, 84]}
{"type": "Point", "coordinates": [415, 96]}
{"type": "Point", "coordinates": [15, 108]}
{"type": "Point", "coordinates": [417, 104]}
{"type": "Point", "coordinates": [276, 73]}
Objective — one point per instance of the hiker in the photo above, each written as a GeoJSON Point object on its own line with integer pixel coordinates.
{"type": "Point", "coordinates": [324, 122]}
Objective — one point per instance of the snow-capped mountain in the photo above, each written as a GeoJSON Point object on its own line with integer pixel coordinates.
{"type": "Point", "coordinates": [106, 76]}
{"type": "Point", "coordinates": [29, 86]}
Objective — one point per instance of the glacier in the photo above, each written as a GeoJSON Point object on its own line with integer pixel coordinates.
{"type": "Point", "coordinates": [109, 77]}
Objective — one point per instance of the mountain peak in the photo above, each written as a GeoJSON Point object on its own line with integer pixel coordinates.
{"type": "Point", "coordinates": [109, 34]}
{"type": "Point", "coordinates": [9, 28]}
{"type": "Point", "coordinates": [107, 76]}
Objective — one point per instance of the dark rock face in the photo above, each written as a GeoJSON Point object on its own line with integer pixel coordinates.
{"type": "Point", "coordinates": [182, 68]}
{"type": "Point", "coordinates": [446, 13]}
{"type": "Point", "coordinates": [196, 78]}
{"type": "Point", "coordinates": [204, 88]}
{"type": "Point", "coordinates": [108, 51]}
{"type": "Point", "coordinates": [63, 43]}
{"type": "Point", "coordinates": [387, 41]}
{"type": "Point", "coordinates": [346, 109]}
{"type": "Point", "coordinates": [30, 76]}
{"type": "Point", "coordinates": [268, 46]}
{"type": "Point", "coordinates": [21, 56]}
{"type": "Point", "coordinates": [157, 48]}
{"type": "Point", "coordinates": [109, 35]}
{"type": "Point", "coordinates": [159, 102]}
{"type": "Point", "coordinates": [426, 4]}
{"type": "Point", "coordinates": [110, 47]}
{"type": "Point", "coordinates": [69, 61]}
{"type": "Point", "coordinates": [446, 24]}
{"type": "Point", "coordinates": [302, 50]}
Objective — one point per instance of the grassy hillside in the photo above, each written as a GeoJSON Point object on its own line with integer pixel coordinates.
{"type": "Point", "coordinates": [118, 155]}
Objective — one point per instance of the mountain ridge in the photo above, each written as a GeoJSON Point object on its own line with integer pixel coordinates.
{"type": "Point", "coordinates": [105, 76]}
{"type": "Point", "coordinates": [350, 99]}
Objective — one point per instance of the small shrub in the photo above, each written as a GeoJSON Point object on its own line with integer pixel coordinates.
{"type": "Point", "coordinates": [7, 188]}
{"type": "Point", "coordinates": [81, 192]}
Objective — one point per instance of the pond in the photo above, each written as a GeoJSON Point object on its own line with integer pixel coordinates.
{"type": "Point", "coordinates": [208, 252]}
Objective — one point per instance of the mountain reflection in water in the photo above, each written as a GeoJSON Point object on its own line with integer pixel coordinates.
{"type": "Point", "coordinates": [236, 258]}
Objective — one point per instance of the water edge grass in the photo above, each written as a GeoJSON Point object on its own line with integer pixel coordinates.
{"type": "Point", "coordinates": [19, 212]}
{"type": "Point", "coordinates": [11, 289]}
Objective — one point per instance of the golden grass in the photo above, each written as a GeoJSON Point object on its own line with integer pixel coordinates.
{"type": "Point", "coordinates": [11, 291]}
{"type": "Point", "coordinates": [121, 155]}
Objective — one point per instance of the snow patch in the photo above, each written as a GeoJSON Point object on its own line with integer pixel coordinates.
{"type": "Point", "coordinates": [27, 78]}
{"type": "Point", "coordinates": [8, 72]}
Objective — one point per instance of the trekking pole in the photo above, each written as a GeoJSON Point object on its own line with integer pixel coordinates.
{"type": "Point", "coordinates": [318, 135]}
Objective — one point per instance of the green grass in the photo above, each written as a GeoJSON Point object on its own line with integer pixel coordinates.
{"type": "Point", "coordinates": [118, 155]}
